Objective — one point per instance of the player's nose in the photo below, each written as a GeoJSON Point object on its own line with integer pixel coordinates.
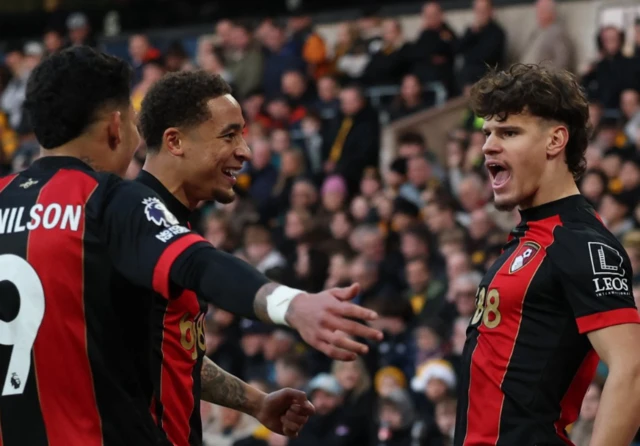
{"type": "Point", "coordinates": [491, 146]}
{"type": "Point", "coordinates": [243, 152]}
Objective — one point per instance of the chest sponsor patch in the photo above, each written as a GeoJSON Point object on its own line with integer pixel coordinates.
{"type": "Point", "coordinates": [524, 254]}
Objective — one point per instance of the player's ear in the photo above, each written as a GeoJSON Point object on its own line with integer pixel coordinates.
{"type": "Point", "coordinates": [558, 140]}
{"type": "Point", "coordinates": [114, 129]}
{"type": "Point", "coordinates": [173, 141]}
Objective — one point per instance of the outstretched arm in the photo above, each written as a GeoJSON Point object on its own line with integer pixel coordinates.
{"type": "Point", "coordinates": [284, 412]}
{"type": "Point", "coordinates": [322, 319]}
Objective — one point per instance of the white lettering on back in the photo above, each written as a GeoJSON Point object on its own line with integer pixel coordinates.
{"type": "Point", "coordinates": [50, 222]}
{"type": "Point", "coordinates": [48, 216]}
{"type": "Point", "coordinates": [71, 217]}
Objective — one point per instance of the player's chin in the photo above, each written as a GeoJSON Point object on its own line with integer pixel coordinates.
{"type": "Point", "coordinates": [225, 196]}
{"type": "Point", "coordinates": [502, 202]}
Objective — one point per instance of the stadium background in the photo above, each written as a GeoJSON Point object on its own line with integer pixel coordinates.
{"type": "Point", "coordinates": [367, 167]}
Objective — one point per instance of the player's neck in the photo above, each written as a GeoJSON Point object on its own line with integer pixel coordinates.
{"type": "Point", "coordinates": [76, 149]}
{"type": "Point", "coordinates": [169, 178]}
{"type": "Point", "coordinates": [549, 191]}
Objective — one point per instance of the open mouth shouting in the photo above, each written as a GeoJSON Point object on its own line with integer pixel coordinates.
{"type": "Point", "coordinates": [500, 174]}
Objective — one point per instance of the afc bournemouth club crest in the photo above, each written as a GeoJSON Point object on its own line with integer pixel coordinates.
{"type": "Point", "coordinates": [524, 255]}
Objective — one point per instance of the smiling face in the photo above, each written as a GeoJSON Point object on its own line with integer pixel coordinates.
{"type": "Point", "coordinates": [516, 157]}
{"type": "Point", "coordinates": [214, 152]}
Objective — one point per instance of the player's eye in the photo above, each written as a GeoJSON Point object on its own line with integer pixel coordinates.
{"type": "Point", "coordinates": [229, 136]}
{"type": "Point", "coordinates": [509, 134]}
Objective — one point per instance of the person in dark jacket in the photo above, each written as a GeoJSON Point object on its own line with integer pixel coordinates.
{"type": "Point", "coordinates": [391, 61]}
{"type": "Point", "coordinates": [355, 141]}
{"type": "Point", "coordinates": [483, 43]}
{"type": "Point", "coordinates": [432, 54]}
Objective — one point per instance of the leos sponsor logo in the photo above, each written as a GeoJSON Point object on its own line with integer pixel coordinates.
{"type": "Point", "coordinates": [609, 274]}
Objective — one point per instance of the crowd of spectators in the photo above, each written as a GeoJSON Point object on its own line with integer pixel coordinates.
{"type": "Point", "coordinates": [316, 210]}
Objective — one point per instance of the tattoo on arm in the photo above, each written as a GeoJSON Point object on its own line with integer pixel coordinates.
{"type": "Point", "coordinates": [222, 388]}
{"type": "Point", "coordinates": [260, 302]}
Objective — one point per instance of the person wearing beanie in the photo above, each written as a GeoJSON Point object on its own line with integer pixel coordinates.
{"type": "Point", "coordinates": [396, 415]}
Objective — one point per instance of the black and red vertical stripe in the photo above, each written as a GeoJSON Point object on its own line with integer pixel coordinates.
{"type": "Point", "coordinates": [59, 398]}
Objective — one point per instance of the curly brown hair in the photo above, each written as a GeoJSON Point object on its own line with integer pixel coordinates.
{"type": "Point", "coordinates": [543, 91]}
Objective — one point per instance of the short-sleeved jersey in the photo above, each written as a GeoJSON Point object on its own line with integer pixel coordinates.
{"type": "Point", "coordinates": [67, 364]}
{"type": "Point", "coordinates": [177, 344]}
{"type": "Point", "coordinates": [527, 361]}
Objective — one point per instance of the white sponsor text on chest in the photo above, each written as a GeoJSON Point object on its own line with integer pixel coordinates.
{"type": "Point", "coordinates": [49, 216]}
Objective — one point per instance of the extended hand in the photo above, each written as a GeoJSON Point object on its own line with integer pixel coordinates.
{"type": "Point", "coordinates": [323, 321]}
{"type": "Point", "coordinates": [285, 412]}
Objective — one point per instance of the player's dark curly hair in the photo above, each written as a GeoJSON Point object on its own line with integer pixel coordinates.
{"type": "Point", "coordinates": [178, 100]}
{"type": "Point", "coordinates": [68, 89]}
{"type": "Point", "coordinates": [542, 91]}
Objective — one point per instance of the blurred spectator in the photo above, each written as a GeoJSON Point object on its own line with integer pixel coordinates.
{"type": "Point", "coordinates": [615, 210]}
{"type": "Point", "coordinates": [297, 90]}
{"type": "Point", "coordinates": [261, 177]}
{"type": "Point", "coordinates": [396, 416]}
{"type": "Point", "coordinates": [308, 44]}
{"type": "Point", "coordinates": [176, 58]}
{"type": "Point", "coordinates": [328, 103]}
{"type": "Point", "coordinates": [224, 33]}
{"type": "Point", "coordinates": [614, 72]}
{"type": "Point", "coordinates": [355, 144]}
{"type": "Point", "coordinates": [630, 105]}
{"type": "Point", "coordinates": [370, 31]}
{"type": "Point", "coordinates": [244, 60]}
{"type": "Point", "coordinates": [435, 380]}
{"type": "Point", "coordinates": [13, 96]}
{"type": "Point", "coordinates": [429, 336]}
{"type": "Point", "coordinates": [140, 51]}
{"type": "Point", "coordinates": [224, 426]}
{"type": "Point", "coordinates": [290, 369]}
{"type": "Point", "coordinates": [260, 250]}
{"type": "Point", "coordinates": [426, 293]}
{"type": "Point", "coordinates": [313, 142]}
{"type": "Point", "coordinates": [353, 377]}
{"type": "Point", "coordinates": [279, 59]}
{"type": "Point", "coordinates": [483, 43]}
{"type": "Point", "coordinates": [593, 185]}
{"type": "Point", "coordinates": [217, 231]}
{"type": "Point", "coordinates": [389, 64]}
{"type": "Point", "coordinates": [53, 41]}
{"type": "Point", "coordinates": [433, 53]}
{"type": "Point", "coordinates": [79, 30]}
{"type": "Point", "coordinates": [583, 428]}
{"type": "Point", "coordinates": [351, 55]}
{"type": "Point", "coordinates": [152, 72]}
{"type": "Point", "coordinates": [411, 98]}
{"type": "Point", "coordinates": [254, 336]}
{"type": "Point", "coordinates": [339, 263]}
{"type": "Point", "coordinates": [549, 42]}
{"type": "Point", "coordinates": [398, 347]}
{"type": "Point", "coordinates": [332, 425]}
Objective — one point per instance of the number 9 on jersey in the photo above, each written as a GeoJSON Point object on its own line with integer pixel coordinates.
{"type": "Point", "coordinates": [22, 330]}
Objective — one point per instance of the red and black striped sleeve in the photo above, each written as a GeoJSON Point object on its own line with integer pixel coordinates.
{"type": "Point", "coordinates": [143, 238]}
{"type": "Point", "coordinates": [594, 272]}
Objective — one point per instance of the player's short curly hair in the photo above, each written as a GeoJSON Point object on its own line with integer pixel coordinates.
{"type": "Point", "coordinates": [67, 90]}
{"type": "Point", "coordinates": [542, 91]}
{"type": "Point", "coordinates": [178, 100]}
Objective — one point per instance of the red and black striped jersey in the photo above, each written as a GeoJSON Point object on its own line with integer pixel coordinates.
{"type": "Point", "coordinates": [177, 346]}
{"type": "Point", "coordinates": [68, 366]}
{"type": "Point", "coordinates": [527, 362]}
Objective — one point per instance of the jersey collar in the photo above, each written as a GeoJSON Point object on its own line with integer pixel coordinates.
{"type": "Point", "coordinates": [554, 208]}
{"type": "Point", "coordinates": [60, 162]}
{"type": "Point", "coordinates": [175, 206]}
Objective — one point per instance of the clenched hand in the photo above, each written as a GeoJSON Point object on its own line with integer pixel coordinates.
{"type": "Point", "coordinates": [285, 412]}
